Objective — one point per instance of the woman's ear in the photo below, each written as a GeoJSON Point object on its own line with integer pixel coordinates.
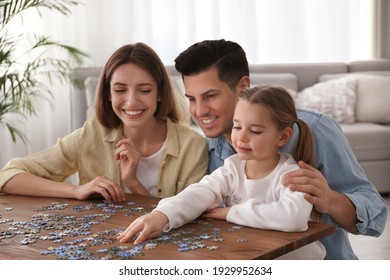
{"type": "Point", "coordinates": [285, 136]}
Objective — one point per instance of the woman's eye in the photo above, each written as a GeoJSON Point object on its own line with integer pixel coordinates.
{"type": "Point", "coordinates": [236, 127]}
{"type": "Point", "coordinates": [119, 90]}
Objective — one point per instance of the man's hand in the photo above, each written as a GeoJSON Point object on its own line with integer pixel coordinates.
{"type": "Point", "coordinates": [325, 200]}
{"type": "Point", "coordinates": [310, 181]}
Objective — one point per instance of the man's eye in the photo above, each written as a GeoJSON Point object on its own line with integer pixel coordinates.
{"type": "Point", "coordinates": [210, 96]}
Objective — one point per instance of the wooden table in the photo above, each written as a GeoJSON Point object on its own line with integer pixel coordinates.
{"type": "Point", "coordinates": [52, 228]}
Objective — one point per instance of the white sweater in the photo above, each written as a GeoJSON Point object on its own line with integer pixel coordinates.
{"type": "Point", "coordinates": [263, 203]}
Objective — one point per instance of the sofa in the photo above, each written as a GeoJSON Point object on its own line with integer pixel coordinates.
{"type": "Point", "coordinates": [356, 94]}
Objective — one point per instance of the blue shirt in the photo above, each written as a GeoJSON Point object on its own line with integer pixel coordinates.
{"type": "Point", "coordinates": [338, 164]}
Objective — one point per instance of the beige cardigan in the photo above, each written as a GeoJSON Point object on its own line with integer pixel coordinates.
{"type": "Point", "coordinates": [90, 151]}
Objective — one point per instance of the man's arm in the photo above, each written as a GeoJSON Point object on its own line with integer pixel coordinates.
{"type": "Point", "coordinates": [339, 188]}
{"type": "Point", "coordinates": [325, 200]}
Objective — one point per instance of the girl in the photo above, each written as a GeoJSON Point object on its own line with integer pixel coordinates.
{"type": "Point", "coordinates": [137, 142]}
{"type": "Point", "coordinates": [249, 183]}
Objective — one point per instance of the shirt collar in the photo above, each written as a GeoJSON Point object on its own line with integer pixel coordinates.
{"type": "Point", "coordinates": [220, 147]}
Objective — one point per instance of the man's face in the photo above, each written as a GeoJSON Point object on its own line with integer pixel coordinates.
{"type": "Point", "coordinates": [212, 102]}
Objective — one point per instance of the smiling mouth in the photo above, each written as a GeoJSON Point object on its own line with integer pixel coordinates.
{"type": "Point", "coordinates": [133, 112]}
{"type": "Point", "coordinates": [207, 121]}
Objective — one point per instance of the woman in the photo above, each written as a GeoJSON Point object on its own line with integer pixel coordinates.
{"type": "Point", "coordinates": [137, 142]}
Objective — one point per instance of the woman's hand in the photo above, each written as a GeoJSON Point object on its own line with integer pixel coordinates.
{"type": "Point", "coordinates": [148, 226]}
{"type": "Point", "coordinates": [216, 213]}
{"type": "Point", "coordinates": [103, 186]}
{"type": "Point", "coordinates": [129, 158]}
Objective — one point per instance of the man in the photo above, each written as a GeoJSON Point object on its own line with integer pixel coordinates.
{"type": "Point", "coordinates": [214, 72]}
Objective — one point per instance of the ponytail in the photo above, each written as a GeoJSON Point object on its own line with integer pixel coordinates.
{"type": "Point", "coordinates": [304, 149]}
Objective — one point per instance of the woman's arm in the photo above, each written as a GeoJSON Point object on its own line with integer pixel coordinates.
{"type": "Point", "coordinates": [31, 185]}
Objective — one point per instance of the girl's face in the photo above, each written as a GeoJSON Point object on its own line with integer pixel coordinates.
{"type": "Point", "coordinates": [255, 136]}
{"type": "Point", "coordinates": [133, 95]}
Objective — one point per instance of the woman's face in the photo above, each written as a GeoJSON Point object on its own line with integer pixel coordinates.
{"type": "Point", "coordinates": [133, 95]}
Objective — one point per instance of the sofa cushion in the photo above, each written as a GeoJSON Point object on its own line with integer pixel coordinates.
{"type": "Point", "coordinates": [335, 98]}
{"type": "Point", "coordinates": [327, 77]}
{"type": "Point", "coordinates": [373, 99]}
{"type": "Point", "coordinates": [287, 80]}
{"type": "Point", "coordinates": [369, 141]}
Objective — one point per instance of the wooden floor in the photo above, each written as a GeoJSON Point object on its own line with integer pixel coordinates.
{"type": "Point", "coordinates": [373, 248]}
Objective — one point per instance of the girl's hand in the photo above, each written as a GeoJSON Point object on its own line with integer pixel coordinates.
{"type": "Point", "coordinates": [103, 186]}
{"type": "Point", "coordinates": [148, 226]}
{"type": "Point", "coordinates": [216, 213]}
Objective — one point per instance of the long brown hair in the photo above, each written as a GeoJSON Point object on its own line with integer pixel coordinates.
{"type": "Point", "coordinates": [282, 108]}
{"type": "Point", "coordinates": [171, 105]}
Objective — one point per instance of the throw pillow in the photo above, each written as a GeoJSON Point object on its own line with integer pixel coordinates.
{"type": "Point", "coordinates": [336, 98]}
{"type": "Point", "coordinates": [373, 99]}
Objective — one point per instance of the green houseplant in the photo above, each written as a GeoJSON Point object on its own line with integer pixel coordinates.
{"type": "Point", "coordinates": [26, 69]}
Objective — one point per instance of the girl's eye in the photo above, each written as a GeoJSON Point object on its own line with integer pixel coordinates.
{"type": "Point", "coordinates": [236, 127]}
{"type": "Point", "coordinates": [255, 132]}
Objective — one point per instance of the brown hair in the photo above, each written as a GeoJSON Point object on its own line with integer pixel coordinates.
{"type": "Point", "coordinates": [171, 105]}
{"type": "Point", "coordinates": [282, 108]}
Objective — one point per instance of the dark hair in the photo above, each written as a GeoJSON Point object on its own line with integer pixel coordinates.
{"type": "Point", "coordinates": [282, 108]}
{"type": "Point", "coordinates": [145, 57]}
{"type": "Point", "coordinates": [228, 57]}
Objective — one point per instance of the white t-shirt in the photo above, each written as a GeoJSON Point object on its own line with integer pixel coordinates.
{"type": "Point", "coordinates": [148, 171]}
{"type": "Point", "coordinates": [263, 203]}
